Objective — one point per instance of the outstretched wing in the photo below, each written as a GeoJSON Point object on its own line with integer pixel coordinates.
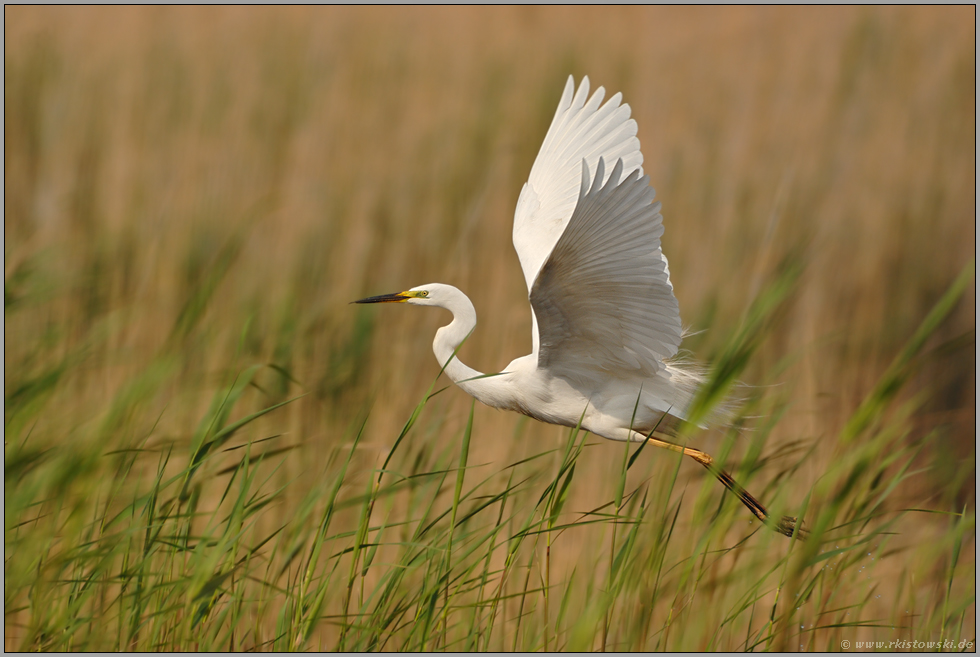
{"type": "Point", "coordinates": [603, 300]}
{"type": "Point", "coordinates": [580, 131]}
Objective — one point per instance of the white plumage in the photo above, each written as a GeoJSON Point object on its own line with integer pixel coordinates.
{"type": "Point", "coordinates": [605, 322]}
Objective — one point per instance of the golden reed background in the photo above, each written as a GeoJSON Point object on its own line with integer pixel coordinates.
{"type": "Point", "coordinates": [292, 160]}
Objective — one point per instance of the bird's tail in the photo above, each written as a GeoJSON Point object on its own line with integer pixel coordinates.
{"type": "Point", "coordinates": [687, 377]}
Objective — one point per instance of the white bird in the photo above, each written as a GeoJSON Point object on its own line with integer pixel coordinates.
{"type": "Point", "coordinates": [605, 322]}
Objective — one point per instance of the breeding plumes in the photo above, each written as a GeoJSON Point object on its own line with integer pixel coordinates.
{"type": "Point", "coordinates": [606, 326]}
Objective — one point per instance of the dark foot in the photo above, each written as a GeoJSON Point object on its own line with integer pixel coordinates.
{"type": "Point", "coordinates": [788, 524]}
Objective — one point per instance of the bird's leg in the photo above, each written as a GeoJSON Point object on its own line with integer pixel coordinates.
{"type": "Point", "coordinates": [786, 525]}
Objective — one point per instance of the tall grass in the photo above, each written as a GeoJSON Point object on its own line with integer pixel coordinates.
{"type": "Point", "coordinates": [207, 448]}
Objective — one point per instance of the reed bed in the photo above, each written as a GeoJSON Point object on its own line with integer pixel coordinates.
{"type": "Point", "coordinates": [207, 448]}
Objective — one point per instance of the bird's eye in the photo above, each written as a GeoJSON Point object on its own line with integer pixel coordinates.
{"type": "Point", "coordinates": [424, 293]}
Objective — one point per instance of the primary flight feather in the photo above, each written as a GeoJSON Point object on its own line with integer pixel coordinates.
{"type": "Point", "coordinates": [605, 322]}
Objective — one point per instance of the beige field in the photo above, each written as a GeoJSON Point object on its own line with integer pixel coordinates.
{"type": "Point", "coordinates": [190, 193]}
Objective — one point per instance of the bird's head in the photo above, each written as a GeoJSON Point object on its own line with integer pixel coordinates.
{"type": "Point", "coordinates": [434, 294]}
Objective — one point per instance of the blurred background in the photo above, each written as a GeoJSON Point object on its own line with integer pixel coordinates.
{"type": "Point", "coordinates": [193, 191]}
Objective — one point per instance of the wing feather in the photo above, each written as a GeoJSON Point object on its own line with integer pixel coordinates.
{"type": "Point", "coordinates": [603, 300]}
{"type": "Point", "coordinates": [582, 129]}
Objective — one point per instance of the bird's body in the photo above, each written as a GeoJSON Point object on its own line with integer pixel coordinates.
{"type": "Point", "coordinates": [526, 388]}
{"type": "Point", "coordinates": [605, 323]}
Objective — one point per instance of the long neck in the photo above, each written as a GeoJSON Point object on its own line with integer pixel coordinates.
{"type": "Point", "coordinates": [449, 338]}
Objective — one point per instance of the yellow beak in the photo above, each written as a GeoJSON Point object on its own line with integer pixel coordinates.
{"type": "Point", "coordinates": [397, 297]}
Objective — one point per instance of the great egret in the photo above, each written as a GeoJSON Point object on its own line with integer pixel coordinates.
{"type": "Point", "coordinates": [605, 322]}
